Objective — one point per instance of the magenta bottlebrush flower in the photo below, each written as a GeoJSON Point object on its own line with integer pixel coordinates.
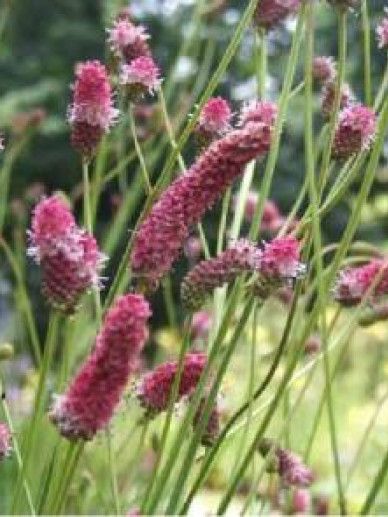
{"type": "Point", "coordinates": [127, 40]}
{"type": "Point", "coordinates": [289, 466]}
{"type": "Point", "coordinates": [328, 97]}
{"type": "Point", "coordinates": [212, 428]}
{"type": "Point", "coordinates": [270, 13]}
{"type": "Point", "coordinates": [241, 257]}
{"type": "Point", "coordinates": [201, 324]}
{"type": "Point", "coordinates": [153, 390]}
{"type": "Point", "coordinates": [353, 283]}
{"type": "Point", "coordinates": [324, 69]}
{"type": "Point", "coordinates": [355, 131]}
{"type": "Point", "coordinates": [214, 121]}
{"type": "Point", "coordinates": [258, 111]}
{"type": "Point", "coordinates": [301, 500]}
{"type": "Point", "coordinates": [382, 32]}
{"type": "Point", "coordinates": [92, 112]}
{"type": "Point", "coordinates": [69, 256]}
{"type": "Point", "coordinates": [5, 441]}
{"type": "Point", "coordinates": [140, 76]}
{"type": "Point", "coordinates": [161, 236]}
{"type": "Point", "coordinates": [89, 402]}
{"type": "Point", "coordinates": [280, 259]}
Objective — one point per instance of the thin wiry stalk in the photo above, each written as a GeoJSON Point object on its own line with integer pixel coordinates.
{"type": "Point", "coordinates": [366, 49]}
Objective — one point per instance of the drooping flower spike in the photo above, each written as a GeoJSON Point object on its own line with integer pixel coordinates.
{"type": "Point", "coordinates": [355, 131]}
{"type": "Point", "coordinates": [91, 113]}
{"type": "Point", "coordinates": [353, 283]}
{"type": "Point", "coordinates": [214, 121]}
{"type": "Point", "coordinates": [90, 401]}
{"type": "Point", "coordinates": [154, 388]}
{"type": "Point", "coordinates": [5, 441]}
{"type": "Point", "coordinates": [160, 238]}
{"type": "Point", "coordinates": [270, 13]}
{"type": "Point", "coordinates": [69, 257]}
{"type": "Point", "coordinates": [241, 257]}
{"type": "Point", "coordinates": [291, 469]}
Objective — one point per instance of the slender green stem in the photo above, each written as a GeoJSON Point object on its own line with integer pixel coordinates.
{"type": "Point", "coordinates": [87, 202]}
{"type": "Point", "coordinates": [112, 472]}
{"type": "Point", "coordinates": [139, 152]}
{"type": "Point", "coordinates": [376, 486]}
{"type": "Point", "coordinates": [223, 218]}
{"type": "Point", "coordinates": [382, 90]}
{"type": "Point", "coordinates": [261, 62]}
{"type": "Point", "coordinates": [367, 52]}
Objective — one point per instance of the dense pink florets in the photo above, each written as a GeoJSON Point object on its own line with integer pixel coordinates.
{"type": "Point", "coordinates": [215, 116]}
{"type": "Point", "coordinates": [161, 236]}
{"type": "Point", "coordinates": [90, 401]}
{"type": "Point", "coordinates": [92, 113]}
{"type": "Point", "coordinates": [355, 131]}
{"type": "Point", "coordinates": [242, 257]}
{"type": "Point", "coordinates": [153, 390]}
{"type": "Point", "coordinates": [324, 69]}
{"type": "Point", "coordinates": [280, 259]}
{"type": "Point", "coordinates": [69, 257]}
{"type": "Point", "coordinates": [125, 35]}
{"type": "Point", "coordinates": [382, 32]}
{"type": "Point", "coordinates": [353, 283]}
{"type": "Point", "coordinates": [270, 13]}
{"type": "Point", "coordinates": [5, 441]}
{"type": "Point", "coordinates": [258, 111]}
{"type": "Point", "coordinates": [141, 75]}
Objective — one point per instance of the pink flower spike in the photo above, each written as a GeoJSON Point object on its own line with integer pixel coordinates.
{"type": "Point", "coordinates": [258, 111]}
{"type": "Point", "coordinates": [140, 76]}
{"type": "Point", "coordinates": [324, 69]}
{"type": "Point", "coordinates": [215, 116]}
{"type": "Point", "coordinates": [92, 113]}
{"type": "Point", "coordinates": [5, 441]}
{"type": "Point", "coordinates": [280, 259]}
{"type": "Point", "coordinates": [270, 13]}
{"type": "Point", "coordinates": [382, 32]}
{"type": "Point", "coordinates": [125, 34]}
{"type": "Point", "coordinates": [90, 401]}
{"type": "Point", "coordinates": [161, 236]}
{"type": "Point", "coordinates": [355, 131]}
{"type": "Point", "coordinates": [153, 390]}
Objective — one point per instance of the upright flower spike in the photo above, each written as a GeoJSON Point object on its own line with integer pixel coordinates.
{"type": "Point", "coordinates": [214, 121]}
{"type": "Point", "coordinates": [91, 113]}
{"type": "Point", "coordinates": [382, 32]}
{"type": "Point", "coordinates": [355, 131]}
{"type": "Point", "coordinates": [161, 236]}
{"type": "Point", "coordinates": [270, 13]}
{"type": "Point", "coordinates": [353, 283]}
{"type": "Point", "coordinates": [128, 41]}
{"type": "Point", "coordinates": [139, 77]}
{"type": "Point", "coordinates": [289, 466]}
{"type": "Point", "coordinates": [68, 256]}
{"type": "Point", "coordinates": [324, 69]}
{"type": "Point", "coordinates": [5, 441]}
{"type": "Point", "coordinates": [154, 388]}
{"type": "Point", "coordinates": [328, 97]}
{"type": "Point", "coordinates": [90, 401]}
{"type": "Point", "coordinates": [201, 281]}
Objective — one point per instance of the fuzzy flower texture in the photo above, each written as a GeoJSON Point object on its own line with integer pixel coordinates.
{"type": "Point", "coordinates": [213, 122]}
{"type": "Point", "coordinates": [382, 32]}
{"type": "Point", "coordinates": [5, 441]}
{"type": "Point", "coordinates": [160, 238]}
{"type": "Point", "coordinates": [91, 113]}
{"type": "Point", "coordinates": [90, 401]}
{"type": "Point", "coordinates": [68, 256]}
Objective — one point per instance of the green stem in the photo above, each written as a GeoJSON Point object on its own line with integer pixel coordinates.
{"type": "Point", "coordinates": [366, 45]}
{"type": "Point", "coordinates": [143, 166]}
{"type": "Point", "coordinates": [376, 486]}
{"type": "Point", "coordinates": [112, 472]}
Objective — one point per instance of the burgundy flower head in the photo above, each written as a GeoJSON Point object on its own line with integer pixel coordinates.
{"type": "Point", "coordinates": [324, 69]}
{"type": "Point", "coordinates": [161, 236]}
{"type": "Point", "coordinates": [92, 113]}
{"type": "Point", "coordinates": [68, 256]}
{"type": "Point", "coordinates": [5, 441]}
{"type": "Point", "coordinates": [382, 32]}
{"type": "Point", "coordinates": [355, 131]}
{"type": "Point", "coordinates": [241, 257]}
{"type": "Point", "coordinates": [270, 13]}
{"type": "Point", "coordinates": [90, 401]}
{"type": "Point", "coordinates": [153, 390]}
{"type": "Point", "coordinates": [213, 122]}
{"type": "Point", "coordinates": [353, 283]}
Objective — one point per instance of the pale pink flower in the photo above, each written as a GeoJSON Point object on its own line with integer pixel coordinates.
{"type": "Point", "coordinates": [258, 111]}
{"type": "Point", "coordinates": [141, 75]}
{"type": "Point", "coordinates": [382, 32]}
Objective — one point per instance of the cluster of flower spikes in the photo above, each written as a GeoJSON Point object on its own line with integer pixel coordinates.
{"type": "Point", "coordinates": [139, 73]}
{"type": "Point", "coordinates": [213, 122]}
{"type": "Point", "coordinates": [160, 238]}
{"type": "Point", "coordinates": [290, 468]}
{"type": "Point", "coordinates": [5, 441]}
{"type": "Point", "coordinates": [353, 283]}
{"type": "Point", "coordinates": [355, 131]}
{"type": "Point", "coordinates": [91, 113]}
{"type": "Point", "coordinates": [89, 402]}
{"type": "Point", "coordinates": [269, 13]}
{"type": "Point", "coordinates": [382, 32]}
{"type": "Point", "coordinates": [154, 388]}
{"type": "Point", "coordinates": [241, 257]}
{"type": "Point", "coordinates": [68, 255]}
